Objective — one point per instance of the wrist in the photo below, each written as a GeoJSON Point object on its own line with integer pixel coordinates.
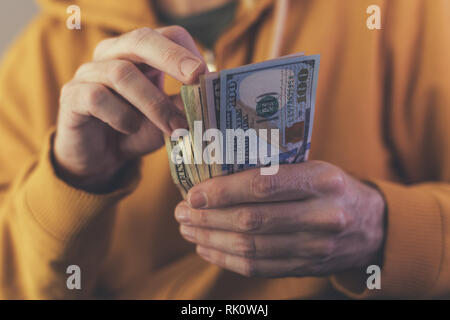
{"type": "Point", "coordinates": [378, 223]}
{"type": "Point", "coordinates": [103, 181]}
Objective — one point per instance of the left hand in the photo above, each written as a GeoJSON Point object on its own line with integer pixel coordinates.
{"type": "Point", "coordinates": [310, 219]}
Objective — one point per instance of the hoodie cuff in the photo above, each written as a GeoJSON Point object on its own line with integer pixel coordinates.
{"type": "Point", "coordinates": [62, 210]}
{"type": "Point", "coordinates": [413, 247]}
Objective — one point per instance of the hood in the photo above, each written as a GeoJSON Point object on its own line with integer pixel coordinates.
{"type": "Point", "coordinates": [122, 16]}
{"type": "Point", "coordinates": [117, 15]}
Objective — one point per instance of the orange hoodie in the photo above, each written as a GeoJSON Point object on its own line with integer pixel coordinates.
{"type": "Point", "coordinates": [383, 106]}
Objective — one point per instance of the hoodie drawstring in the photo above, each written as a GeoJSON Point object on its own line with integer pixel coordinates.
{"type": "Point", "coordinates": [281, 12]}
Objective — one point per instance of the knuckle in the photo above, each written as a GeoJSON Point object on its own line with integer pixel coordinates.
{"type": "Point", "coordinates": [249, 219]}
{"type": "Point", "coordinates": [249, 268]}
{"type": "Point", "coordinates": [332, 180]}
{"type": "Point", "coordinates": [96, 96]}
{"type": "Point", "coordinates": [218, 192]}
{"type": "Point", "coordinates": [123, 121]}
{"type": "Point", "coordinates": [202, 235]}
{"type": "Point", "coordinates": [264, 186]}
{"type": "Point", "coordinates": [66, 91]}
{"type": "Point", "coordinates": [339, 220]}
{"type": "Point", "coordinates": [100, 48]}
{"type": "Point", "coordinates": [82, 69]}
{"type": "Point", "coordinates": [121, 71]}
{"type": "Point", "coordinates": [325, 249]}
{"type": "Point", "coordinates": [157, 110]}
{"type": "Point", "coordinates": [176, 31]}
{"type": "Point", "coordinates": [141, 35]}
{"type": "Point", "coordinates": [156, 102]}
{"type": "Point", "coordinates": [245, 246]}
{"type": "Point", "coordinates": [171, 54]}
{"type": "Point", "coordinates": [201, 218]}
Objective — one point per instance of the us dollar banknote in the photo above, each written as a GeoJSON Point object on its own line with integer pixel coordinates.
{"type": "Point", "coordinates": [265, 106]}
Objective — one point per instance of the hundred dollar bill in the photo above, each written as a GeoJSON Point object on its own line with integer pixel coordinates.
{"type": "Point", "coordinates": [272, 96]}
{"type": "Point", "coordinates": [178, 169]}
{"type": "Point", "coordinates": [210, 84]}
{"type": "Point", "coordinates": [276, 94]}
{"type": "Point", "coordinates": [196, 115]}
{"type": "Point", "coordinates": [210, 87]}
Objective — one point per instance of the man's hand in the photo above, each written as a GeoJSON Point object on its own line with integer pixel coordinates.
{"type": "Point", "coordinates": [114, 110]}
{"type": "Point", "coordinates": [310, 219]}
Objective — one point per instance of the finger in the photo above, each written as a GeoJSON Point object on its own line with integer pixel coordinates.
{"type": "Point", "coordinates": [260, 267]}
{"type": "Point", "coordinates": [282, 217]}
{"type": "Point", "coordinates": [153, 48]}
{"type": "Point", "coordinates": [180, 36]}
{"type": "Point", "coordinates": [288, 245]}
{"type": "Point", "coordinates": [128, 81]}
{"type": "Point", "coordinates": [292, 182]}
{"type": "Point", "coordinates": [155, 76]}
{"type": "Point", "coordinates": [268, 246]}
{"type": "Point", "coordinates": [95, 100]}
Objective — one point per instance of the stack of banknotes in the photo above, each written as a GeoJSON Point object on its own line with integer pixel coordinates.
{"type": "Point", "coordinates": [254, 116]}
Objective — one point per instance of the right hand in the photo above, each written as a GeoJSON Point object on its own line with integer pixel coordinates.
{"type": "Point", "coordinates": [114, 110]}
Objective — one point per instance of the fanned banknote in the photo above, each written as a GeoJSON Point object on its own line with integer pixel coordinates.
{"type": "Point", "coordinates": [265, 106]}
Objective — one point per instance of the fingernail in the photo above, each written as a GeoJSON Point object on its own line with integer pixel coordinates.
{"type": "Point", "coordinates": [177, 122]}
{"type": "Point", "coordinates": [187, 232]}
{"type": "Point", "coordinates": [198, 200]}
{"type": "Point", "coordinates": [188, 66]}
{"type": "Point", "coordinates": [182, 213]}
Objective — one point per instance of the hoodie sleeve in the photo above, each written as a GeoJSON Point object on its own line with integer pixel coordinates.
{"type": "Point", "coordinates": [45, 224]}
{"type": "Point", "coordinates": [416, 260]}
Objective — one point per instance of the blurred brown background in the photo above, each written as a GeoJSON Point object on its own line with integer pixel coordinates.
{"type": "Point", "coordinates": [14, 16]}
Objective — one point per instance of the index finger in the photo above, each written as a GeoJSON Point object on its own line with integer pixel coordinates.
{"type": "Point", "coordinates": [176, 56]}
{"type": "Point", "coordinates": [292, 182]}
{"type": "Point", "coordinates": [268, 218]}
